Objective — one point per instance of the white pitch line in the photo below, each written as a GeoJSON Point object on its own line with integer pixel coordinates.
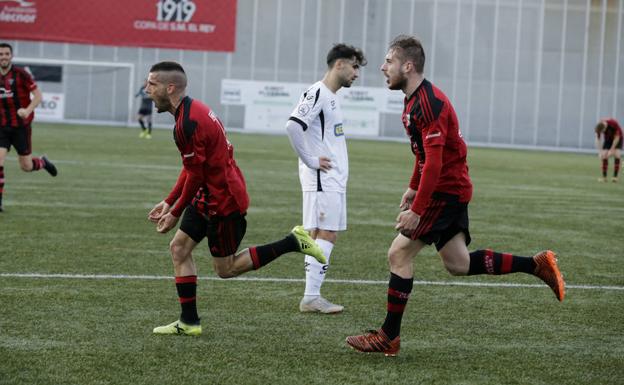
{"type": "Point", "coordinates": [298, 280]}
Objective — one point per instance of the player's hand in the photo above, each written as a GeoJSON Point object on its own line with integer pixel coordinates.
{"type": "Point", "coordinates": [407, 220]}
{"type": "Point", "coordinates": [166, 223]}
{"type": "Point", "coordinates": [23, 113]}
{"type": "Point", "coordinates": [610, 153]}
{"type": "Point", "coordinates": [324, 163]}
{"type": "Point", "coordinates": [158, 211]}
{"type": "Point", "coordinates": [407, 199]}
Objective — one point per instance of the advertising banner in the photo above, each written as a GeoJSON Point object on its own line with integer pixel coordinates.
{"type": "Point", "coordinates": [269, 104]}
{"type": "Point", "coordinates": [51, 108]}
{"type": "Point", "coordinates": [205, 25]}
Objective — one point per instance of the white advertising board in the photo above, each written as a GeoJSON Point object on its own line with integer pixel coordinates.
{"type": "Point", "coordinates": [269, 104]}
{"type": "Point", "coordinates": [51, 108]}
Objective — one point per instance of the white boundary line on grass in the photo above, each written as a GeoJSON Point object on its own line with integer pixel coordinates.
{"type": "Point", "coordinates": [299, 280]}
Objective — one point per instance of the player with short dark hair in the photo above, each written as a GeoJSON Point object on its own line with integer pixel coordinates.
{"type": "Point", "coordinates": [315, 129]}
{"type": "Point", "coordinates": [16, 116]}
{"type": "Point", "coordinates": [435, 205]}
{"type": "Point", "coordinates": [609, 144]}
{"type": "Point", "coordinates": [212, 196]}
{"type": "Point", "coordinates": [145, 113]}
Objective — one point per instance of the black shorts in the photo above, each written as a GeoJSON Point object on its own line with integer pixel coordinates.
{"type": "Point", "coordinates": [443, 218]}
{"type": "Point", "coordinates": [145, 111]}
{"type": "Point", "coordinates": [224, 233]}
{"type": "Point", "coordinates": [608, 142]}
{"type": "Point", "coordinates": [18, 137]}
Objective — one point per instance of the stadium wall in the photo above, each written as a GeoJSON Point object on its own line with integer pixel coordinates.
{"type": "Point", "coordinates": [524, 73]}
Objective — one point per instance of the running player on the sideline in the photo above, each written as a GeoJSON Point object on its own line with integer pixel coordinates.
{"type": "Point", "coordinates": [212, 194]}
{"type": "Point", "coordinates": [435, 205]}
{"type": "Point", "coordinates": [609, 132]}
{"type": "Point", "coordinates": [316, 133]}
{"type": "Point", "coordinates": [16, 115]}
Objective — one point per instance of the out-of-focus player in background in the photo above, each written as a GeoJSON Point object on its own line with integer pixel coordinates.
{"type": "Point", "coordinates": [609, 144]}
{"type": "Point", "coordinates": [16, 116]}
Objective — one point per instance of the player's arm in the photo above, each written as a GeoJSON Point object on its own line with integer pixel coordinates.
{"type": "Point", "coordinates": [408, 196]}
{"type": "Point", "coordinates": [192, 183]}
{"type": "Point", "coordinates": [25, 112]}
{"type": "Point", "coordinates": [409, 219]}
{"type": "Point", "coordinates": [429, 178]}
{"type": "Point", "coordinates": [616, 141]}
{"type": "Point", "coordinates": [298, 143]}
{"type": "Point", "coordinates": [163, 207]}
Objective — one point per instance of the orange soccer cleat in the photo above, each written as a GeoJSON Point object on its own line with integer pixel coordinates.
{"type": "Point", "coordinates": [375, 341]}
{"type": "Point", "coordinates": [546, 268]}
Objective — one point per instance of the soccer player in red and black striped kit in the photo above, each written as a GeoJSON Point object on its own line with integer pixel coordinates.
{"type": "Point", "coordinates": [435, 205]}
{"type": "Point", "coordinates": [16, 115]}
{"type": "Point", "coordinates": [609, 144]}
{"type": "Point", "coordinates": [211, 196]}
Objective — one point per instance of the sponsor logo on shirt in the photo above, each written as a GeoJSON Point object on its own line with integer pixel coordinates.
{"type": "Point", "coordinates": [433, 135]}
{"type": "Point", "coordinates": [338, 130]}
{"type": "Point", "coordinates": [5, 93]}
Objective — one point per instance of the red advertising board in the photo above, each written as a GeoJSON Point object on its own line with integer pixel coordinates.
{"type": "Point", "coordinates": [206, 25]}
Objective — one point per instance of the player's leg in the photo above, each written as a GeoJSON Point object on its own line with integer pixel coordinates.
{"type": "Point", "coordinates": [324, 214]}
{"type": "Point", "coordinates": [140, 117]}
{"type": "Point", "coordinates": [23, 146]}
{"type": "Point", "coordinates": [617, 159]}
{"type": "Point", "coordinates": [458, 261]}
{"type": "Point", "coordinates": [604, 164]}
{"type": "Point", "coordinates": [387, 338]}
{"type": "Point", "coordinates": [225, 235]}
{"type": "Point", "coordinates": [148, 119]}
{"type": "Point", "coordinates": [192, 231]}
{"type": "Point", "coordinates": [3, 154]}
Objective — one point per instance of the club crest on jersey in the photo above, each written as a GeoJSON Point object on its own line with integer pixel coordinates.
{"type": "Point", "coordinates": [338, 130]}
{"type": "Point", "coordinates": [303, 109]}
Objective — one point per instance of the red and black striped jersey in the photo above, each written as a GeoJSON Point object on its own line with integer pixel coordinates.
{"type": "Point", "coordinates": [15, 89]}
{"type": "Point", "coordinates": [210, 177]}
{"type": "Point", "coordinates": [613, 129]}
{"type": "Point", "coordinates": [432, 126]}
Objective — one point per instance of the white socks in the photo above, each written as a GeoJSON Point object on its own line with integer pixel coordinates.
{"type": "Point", "coordinates": [315, 271]}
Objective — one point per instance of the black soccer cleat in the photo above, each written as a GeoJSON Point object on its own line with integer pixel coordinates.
{"type": "Point", "coordinates": [49, 166]}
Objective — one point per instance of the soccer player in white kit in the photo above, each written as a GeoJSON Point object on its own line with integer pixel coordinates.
{"type": "Point", "coordinates": [316, 133]}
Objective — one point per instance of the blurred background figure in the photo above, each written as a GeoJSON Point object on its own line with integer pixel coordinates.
{"type": "Point", "coordinates": [144, 115]}
{"type": "Point", "coordinates": [609, 144]}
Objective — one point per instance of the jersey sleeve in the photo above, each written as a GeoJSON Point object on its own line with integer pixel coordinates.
{"type": "Point", "coordinates": [309, 107]}
{"type": "Point", "coordinates": [28, 81]}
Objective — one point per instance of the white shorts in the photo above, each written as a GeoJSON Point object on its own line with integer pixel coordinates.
{"type": "Point", "coordinates": [324, 210]}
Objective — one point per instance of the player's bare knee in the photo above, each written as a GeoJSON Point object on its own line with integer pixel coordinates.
{"type": "Point", "coordinates": [455, 269]}
{"type": "Point", "coordinates": [397, 257]}
{"type": "Point", "coordinates": [225, 271]}
{"type": "Point", "coordinates": [179, 254]}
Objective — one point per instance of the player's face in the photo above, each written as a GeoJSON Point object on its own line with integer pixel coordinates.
{"type": "Point", "coordinates": [349, 73]}
{"type": "Point", "coordinates": [157, 91]}
{"type": "Point", "coordinates": [5, 57]}
{"type": "Point", "coordinates": [392, 69]}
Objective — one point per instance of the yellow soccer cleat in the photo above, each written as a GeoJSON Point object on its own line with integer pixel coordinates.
{"type": "Point", "coordinates": [179, 328]}
{"type": "Point", "coordinates": [307, 244]}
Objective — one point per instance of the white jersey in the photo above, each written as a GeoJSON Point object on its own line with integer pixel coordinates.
{"type": "Point", "coordinates": [318, 112]}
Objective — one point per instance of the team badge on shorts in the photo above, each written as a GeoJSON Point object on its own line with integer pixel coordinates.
{"type": "Point", "coordinates": [338, 130]}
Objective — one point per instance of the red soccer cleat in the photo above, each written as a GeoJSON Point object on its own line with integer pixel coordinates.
{"type": "Point", "coordinates": [546, 268]}
{"type": "Point", "coordinates": [375, 341]}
